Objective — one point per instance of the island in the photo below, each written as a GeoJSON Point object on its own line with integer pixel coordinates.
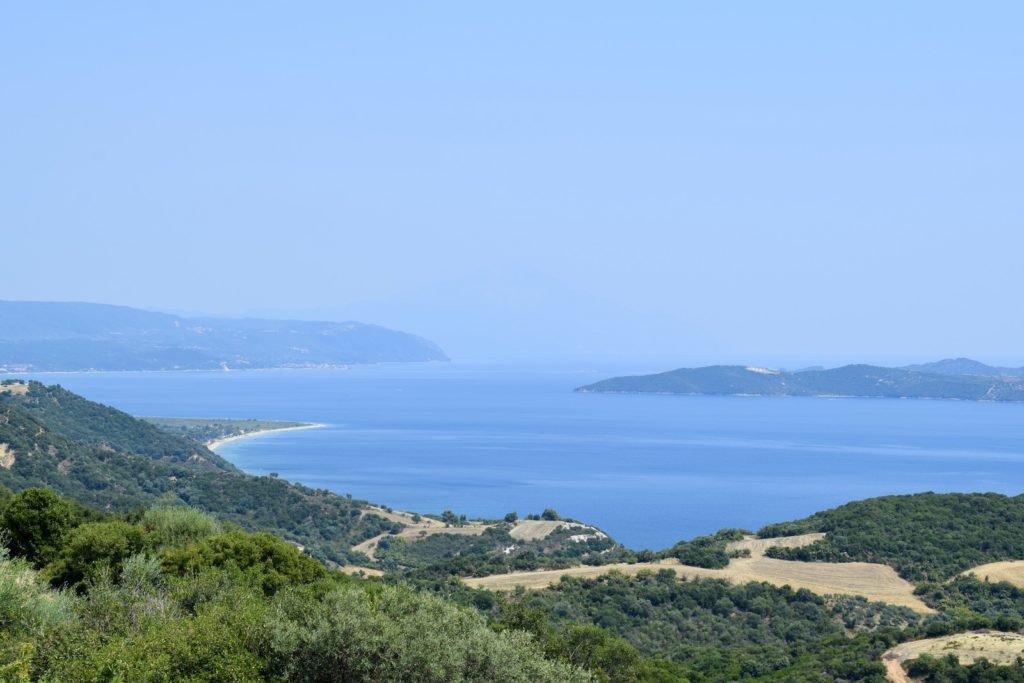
{"type": "Point", "coordinates": [931, 381]}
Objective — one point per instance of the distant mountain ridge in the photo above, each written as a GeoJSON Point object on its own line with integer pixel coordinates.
{"type": "Point", "coordinates": [965, 366]}
{"type": "Point", "coordinates": [984, 383]}
{"type": "Point", "coordinates": [57, 336]}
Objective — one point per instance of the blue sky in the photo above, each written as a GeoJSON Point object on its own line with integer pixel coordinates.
{"type": "Point", "coordinates": [802, 178]}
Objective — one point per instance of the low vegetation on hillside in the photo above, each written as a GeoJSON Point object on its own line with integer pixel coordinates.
{"type": "Point", "coordinates": [926, 536]}
{"type": "Point", "coordinates": [172, 594]}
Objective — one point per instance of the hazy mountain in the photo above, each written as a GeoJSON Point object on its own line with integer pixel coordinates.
{"type": "Point", "coordinates": [46, 336]}
{"type": "Point", "coordinates": [966, 366]}
{"type": "Point", "coordinates": [849, 380]}
{"type": "Point", "coordinates": [510, 315]}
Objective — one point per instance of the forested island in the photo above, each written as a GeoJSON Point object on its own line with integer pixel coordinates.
{"type": "Point", "coordinates": [54, 337]}
{"type": "Point", "coordinates": [959, 379]}
{"type": "Point", "coordinates": [133, 552]}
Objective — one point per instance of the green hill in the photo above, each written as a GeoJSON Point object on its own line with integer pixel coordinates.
{"type": "Point", "coordinates": [107, 459]}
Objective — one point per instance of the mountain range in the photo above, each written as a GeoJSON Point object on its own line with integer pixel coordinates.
{"type": "Point", "coordinates": [55, 336]}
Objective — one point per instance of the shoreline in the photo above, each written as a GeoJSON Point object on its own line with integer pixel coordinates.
{"type": "Point", "coordinates": [217, 443]}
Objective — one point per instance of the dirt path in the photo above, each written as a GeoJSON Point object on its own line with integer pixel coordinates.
{"type": "Point", "coordinates": [894, 671]}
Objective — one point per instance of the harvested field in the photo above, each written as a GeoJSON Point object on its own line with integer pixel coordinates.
{"type": "Point", "coordinates": [17, 388]}
{"type": "Point", "coordinates": [533, 529]}
{"type": "Point", "coordinates": [539, 529]}
{"type": "Point", "coordinates": [1011, 571]}
{"type": "Point", "coordinates": [353, 570]}
{"type": "Point", "coordinates": [873, 581]}
{"type": "Point", "coordinates": [757, 546]}
{"type": "Point", "coordinates": [402, 517]}
{"type": "Point", "coordinates": [995, 646]}
{"type": "Point", "coordinates": [414, 531]}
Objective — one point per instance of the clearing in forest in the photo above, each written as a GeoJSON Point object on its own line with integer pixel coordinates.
{"type": "Point", "coordinates": [995, 646]}
{"type": "Point", "coordinates": [1011, 571]}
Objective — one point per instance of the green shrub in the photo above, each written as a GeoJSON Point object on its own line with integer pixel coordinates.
{"type": "Point", "coordinates": [395, 634]}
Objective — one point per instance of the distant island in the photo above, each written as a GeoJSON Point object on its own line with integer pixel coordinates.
{"type": "Point", "coordinates": [54, 337]}
{"type": "Point", "coordinates": [960, 378]}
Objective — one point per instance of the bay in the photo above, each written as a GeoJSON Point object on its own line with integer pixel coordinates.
{"type": "Point", "coordinates": [486, 439]}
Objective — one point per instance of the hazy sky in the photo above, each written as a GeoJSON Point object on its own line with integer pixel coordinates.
{"type": "Point", "coordinates": [795, 177]}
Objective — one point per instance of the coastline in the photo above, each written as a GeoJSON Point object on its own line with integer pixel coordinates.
{"type": "Point", "coordinates": [217, 443]}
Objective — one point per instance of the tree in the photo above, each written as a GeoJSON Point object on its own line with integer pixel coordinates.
{"type": "Point", "coordinates": [550, 515]}
{"type": "Point", "coordinates": [37, 520]}
{"type": "Point", "coordinates": [95, 549]}
{"type": "Point", "coordinates": [511, 517]}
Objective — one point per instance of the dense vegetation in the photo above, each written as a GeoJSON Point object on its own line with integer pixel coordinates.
{"type": "Point", "coordinates": [44, 336]}
{"type": "Point", "coordinates": [928, 669]}
{"type": "Point", "coordinates": [172, 595]}
{"type": "Point", "coordinates": [926, 536]}
{"type": "Point", "coordinates": [849, 380]}
{"type": "Point", "coordinates": [109, 460]}
{"type": "Point", "coordinates": [705, 551]}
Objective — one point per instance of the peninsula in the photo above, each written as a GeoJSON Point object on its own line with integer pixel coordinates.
{"type": "Point", "coordinates": [70, 337]}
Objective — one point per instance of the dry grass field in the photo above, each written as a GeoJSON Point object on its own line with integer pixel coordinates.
{"type": "Point", "coordinates": [995, 646]}
{"type": "Point", "coordinates": [16, 388]}
{"type": "Point", "coordinates": [353, 570]}
{"type": "Point", "coordinates": [1011, 571]}
{"type": "Point", "coordinates": [533, 529]}
{"type": "Point", "coordinates": [414, 530]}
{"type": "Point", "coordinates": [539, 529]}
{"type": "Point", "coordinates": [872, 581]}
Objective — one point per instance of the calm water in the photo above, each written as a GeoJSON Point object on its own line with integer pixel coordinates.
{"type": "Point", "coordinates": [485, 440]}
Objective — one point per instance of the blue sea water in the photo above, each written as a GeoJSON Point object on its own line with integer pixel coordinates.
{"type": "Point", "coordinates": [650, 469]}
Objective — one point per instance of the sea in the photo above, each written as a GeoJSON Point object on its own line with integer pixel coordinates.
{"type": "Point", "coordinates": [484, 439]}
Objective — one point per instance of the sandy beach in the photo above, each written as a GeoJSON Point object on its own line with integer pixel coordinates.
{"type": "Point", "coordinates": [217, 443]}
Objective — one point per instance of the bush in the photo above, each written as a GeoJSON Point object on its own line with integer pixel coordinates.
{"type": "Point", "coordinates": [395, 634]}
{"type": "Point", "coordinates": [93, 550]}
{"type": "Point", "coordinates": [267, 561]}
{"type": "Point", "coordinates": [36, 521]}
{"type": "Point", "coordinates": [176, 526]}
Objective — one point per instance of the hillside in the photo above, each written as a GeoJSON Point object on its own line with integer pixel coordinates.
{"type": "Point", "coordinates": [109, 460]}
{"type": "Point", "coordinates": [50, 336]}
{"type": "Point", "coordinates": [157, 590]}
{"type": "Point", "coordinates": [965, 366]}
{"type": "Point", "coordinates": [171, 594]}
{"type": "Point", "coordinates": [866, 381]}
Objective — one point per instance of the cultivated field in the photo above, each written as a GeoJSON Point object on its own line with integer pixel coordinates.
{"type": "Point", "coordinates": [995, 646]}
{"type": "Point", "coordinates": [1011, 571]}
{"type": "Point", "coordinates": [872, 581]}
